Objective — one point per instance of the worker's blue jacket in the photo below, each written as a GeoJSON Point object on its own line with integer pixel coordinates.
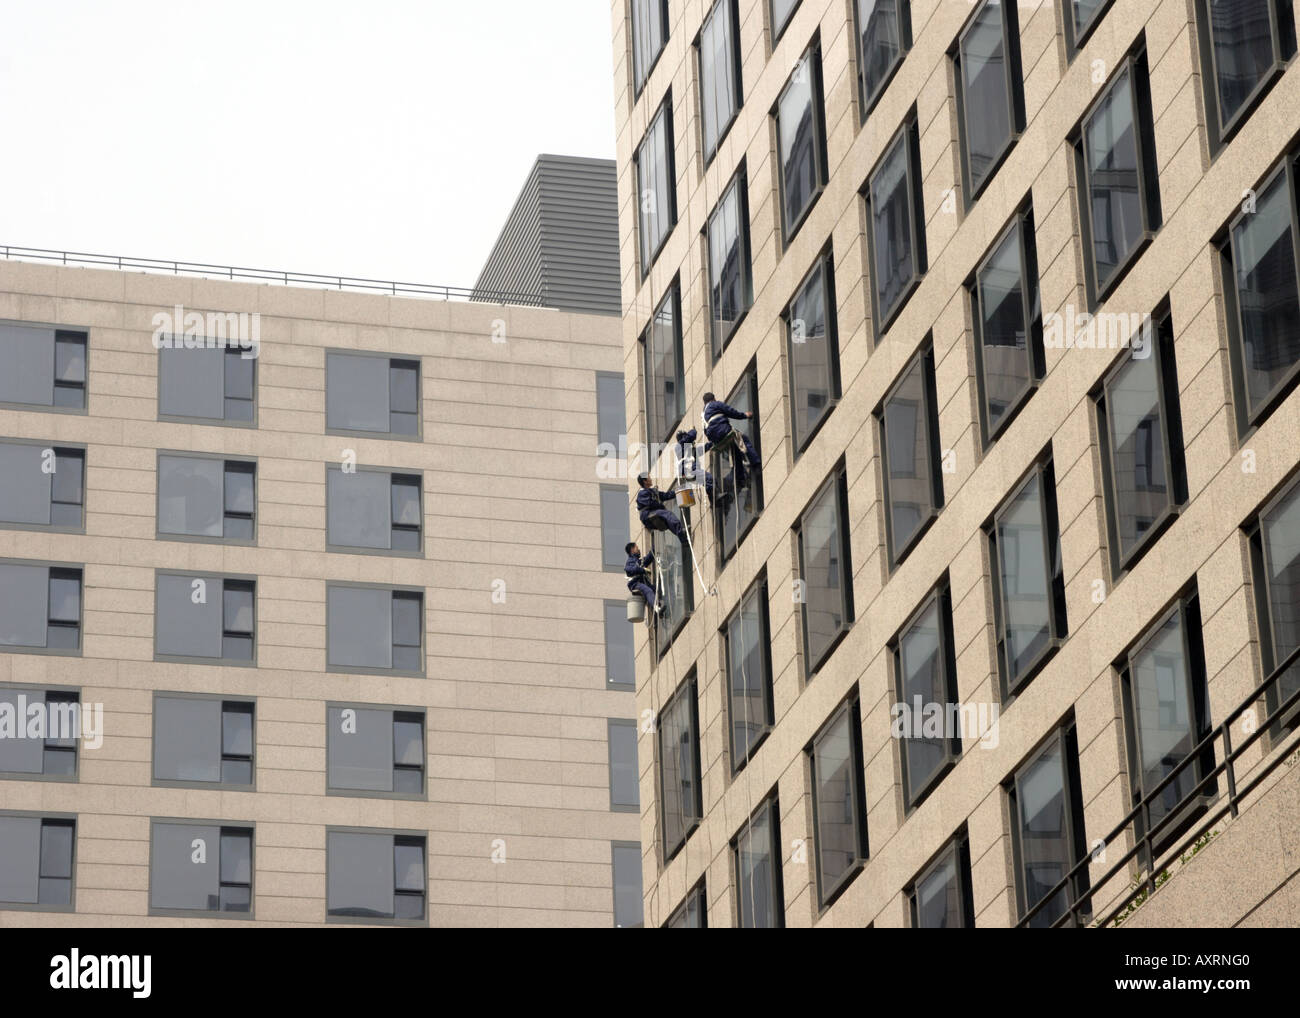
{"type": "Point", "coordinates": [716, 423]}
{"type": "Point", "coordinates": [649, 500]}
{"type": "Point", "coordinates": [636, 570]}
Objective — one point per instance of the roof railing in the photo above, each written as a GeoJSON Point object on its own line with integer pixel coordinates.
{"type": "Point", "coordinates": [309, 279]}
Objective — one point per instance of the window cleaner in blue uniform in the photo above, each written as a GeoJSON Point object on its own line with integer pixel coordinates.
{"type": "Point", "coordinates": [722, 437]}
{"type": "Point", "coordinates": [638, 577]}
{"type": "Point", "coordinates": [653, 515]}
{"type": "Point", "coordinates": [690, 471]}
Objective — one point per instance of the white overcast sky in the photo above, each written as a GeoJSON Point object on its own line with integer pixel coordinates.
{"type": "Point", "coordinates": [379, 138]}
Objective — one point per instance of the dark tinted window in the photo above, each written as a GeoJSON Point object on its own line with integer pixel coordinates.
{"type": "Point", "coordinates": [626, 866]}
{"type": "Point", "coordinates": [656, 185]}
{"type": "Point", "coordinates": [36, 860]}
{"type": "Point", "coordinates": [1141, 443]}
{"type": "Point", "coordinates": [814, 352]}
{"type": "Point", "coordinates": [665, 385]}
{"type": "Point", "coordinates": [758, 870]}
{"type": "Point", "coordinates": [649, 32]}
{"type": "Point", "coordinates": [42, 367]}
{"type": "Point", "coordinates": [749, 675]}
{"type": "Point", "coordinates": [884, 29]}
{"type": "Point", "coordinates": [926, 678]}
{"type": "Point", "coordinates": [910, 465]}
{"type": "Point", "coordinates": [839, 806]}
{"type": "Point", "coordinates": [202, 497]}
{"type": "Point", "coordinates": [624, 776]}
{"type": "Point", "coordinates": [620, 662]}
{"type": "Point", "coordinates": [210, 383]}
{"type": "Point", "coordinates": [374, 509]}
{"type": "Point", "coordinates": [895, 230]}
{"type": "Point", "coordinates": [800, 144]}
{"type": "Point", "coordinates": [375, 875]}
{"type": "Point", "coordinates": [204, 617]}
{"type": "Point", "coordinates": [40, 607]}
{"type": "Point", "coordinates": [826, 573]}
{"type": "Point", "coordinates": [731, 289]}
{"type": "Point", "coordinates": [1244, 46]}
{"type": "Point", "coordinates": [941, 897]}
{"type": "Point", "coordinates": [198, 867]}
{"type": "Point", "coordinates": [679, 768]}
{"type": "Point", "coordinates": [1047, 829]}
{"type": "Point", "coordinates": [1121, 194]}
{"type": "Point", "coordinates": [375, 628]}
{"type": "Point", "coordinates": [372, 393]}
{"type": "Point", "coordinates": [202, 740]}
{"type": "Point", "coordinates": [43, 485]}
{"type": "Point", "coordinates": [1030, 602]}
{"type": "Point", "coordinates": [690, 914]}
{"type": "Point", "coordinates": [375, 750]}
{"type": "Point", "coordinates": [988, 91]}
{"type": "Point", "coordinates": [719, 74]}
{"type": "Point", "coordinates": [1008, 327]}
{"type": "Point", "coordinates": [51, 755]}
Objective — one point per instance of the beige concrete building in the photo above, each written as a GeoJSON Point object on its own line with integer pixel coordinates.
{"type": "Point", "coordinates": [1012, 288]}
{"type": "Point", "coordinates": [343, 605]}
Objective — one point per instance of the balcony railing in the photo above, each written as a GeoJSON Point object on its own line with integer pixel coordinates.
{"type": "Point", "coordinates": [1153, 865]}
{"type": "Point", "coordinates": [309, 279]}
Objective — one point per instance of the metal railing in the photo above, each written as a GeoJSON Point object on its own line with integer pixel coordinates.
{"type": "Point", "coordinates": [1155, 866]}
{"type": "Point", "coordinates": [310, 279]}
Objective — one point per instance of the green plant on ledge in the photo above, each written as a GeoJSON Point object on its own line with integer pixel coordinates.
{"type": "Point", "coordinates": [1138, 899]}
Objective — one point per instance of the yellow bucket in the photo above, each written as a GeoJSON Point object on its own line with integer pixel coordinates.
{"type": "Point", "coordinates": [686, 497]}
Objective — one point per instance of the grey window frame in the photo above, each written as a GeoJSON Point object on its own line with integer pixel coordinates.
{"type": "Point", "coordinates": [167, 535]}
{"type": "Point", "coordinates": [607, 564]}
{"type": "Point", "coordinates": [687, 692]}
{"type": "Point", "coordinates": [614, 846]}
{"type": "Point", "coordinates": [908, 136]}
{"type": "Point", "coordinates": [929, 414]}
{"type": "Point", "coordinates": [49, 567]}
{"type": "Point", "coordinates": [903, 13]}
{"type": "Point", "coordinates": [248, 827]}
{"type": "Point", "coordinates": [219, 422]}
{"type": "Point", "coordinates": [610, 724]}
{"type": "Point", "coordinates": [1058, 622]}
{"type": "Point", "coordinates": [824, 264]}
{"type": "Point", "coordinates": [940, 599]}
{"type": "Point", "coordinates": [1196, 689]}
{"type": "Point", "coordinates": [673, 296]}
{"type": "Point", "coordinates": [647, 253]}
{"type": "Point", "coordinates": [197, 574]}
{"type": "Point", "coordinates": [1171, 438]}
{"type": "Point", "coordinates": [393, 834]}
{"type": "Point", "coordinates": [619, 608]}
{"type": "Point", "coordinates": [848, 710]}
{"type": "Point", "coordinates": [54, 817]}
{"type": "Point", "coordinates": [1247, 419]}
{"type": "Point", "coordinates": [739, 182]}
{"type": "Point", "coordinates": [726, 550]}
{"type": "Point", "coordinates": [68, 334]}
{"type": "Point", "coordinates": [1022, 223]}
{"type": "Point", "coordinates": [1063, 735]}
{"type": "Point", "coordinates": [63, 693]}
{"type": "Point", "coordinates": [729, 9]}
{"type": "Point", "coordinates": [640, 68]}
{"type": "Point", "coordinates": [1077, 37]}
{"type": "Point", "coordinates": [60, 449]}
{"type": "Point", "coordinates": [392, 588]}
{"type": "Point", "coordinates": [1141, 113]}
{"type": "Point", "coordinates": [838, 481]}
{"type": "Point", "coordinates": [695, 896]}
{"type": "Point", "coordinates": [1274, 672]}
{"type": "Point", "coordinates": [364, 793]}
{"type": "Point", "coordinates": [1014, 80]}
{"type": "Point", "coordinates": [758, 590]}
{"type": "Point", "coordinates": [1282, 39]}
{"type": "Point", "coordinates": [776, 887]}
{"type": "Point", "coordinates": [620, 447]}
{"type": "Point", "coordinates": [812, 59]}
{"type": "Point", "coordinates": [233, 700]}
{"type": "Point", "coordinates": [392, 358]}
{"type": "Point", "coordinates": [393, 473]}
{"type": "Point", "coordinates": [958, 849]}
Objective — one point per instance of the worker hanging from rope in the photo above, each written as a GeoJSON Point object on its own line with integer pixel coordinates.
{"type": "Point", "coordinates": [718, 430]}
{"type": "Point", "coordinates": [690, 470]}
{"type": "Point", "coordinates": [653, 515]}
{"type": "Point", "coordinates": [638, 577]}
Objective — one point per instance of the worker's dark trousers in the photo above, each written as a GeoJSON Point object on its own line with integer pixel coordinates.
{"type": "Point", "coordinates": [670, 521]}
{"type": "Point", "coordinates": [646, 591]}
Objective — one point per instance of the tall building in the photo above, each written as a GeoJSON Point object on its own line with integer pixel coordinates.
{"type": "Point", "coordinates": [1007, 630]}
{"type": "Point", "coordinates": [303, 608]}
